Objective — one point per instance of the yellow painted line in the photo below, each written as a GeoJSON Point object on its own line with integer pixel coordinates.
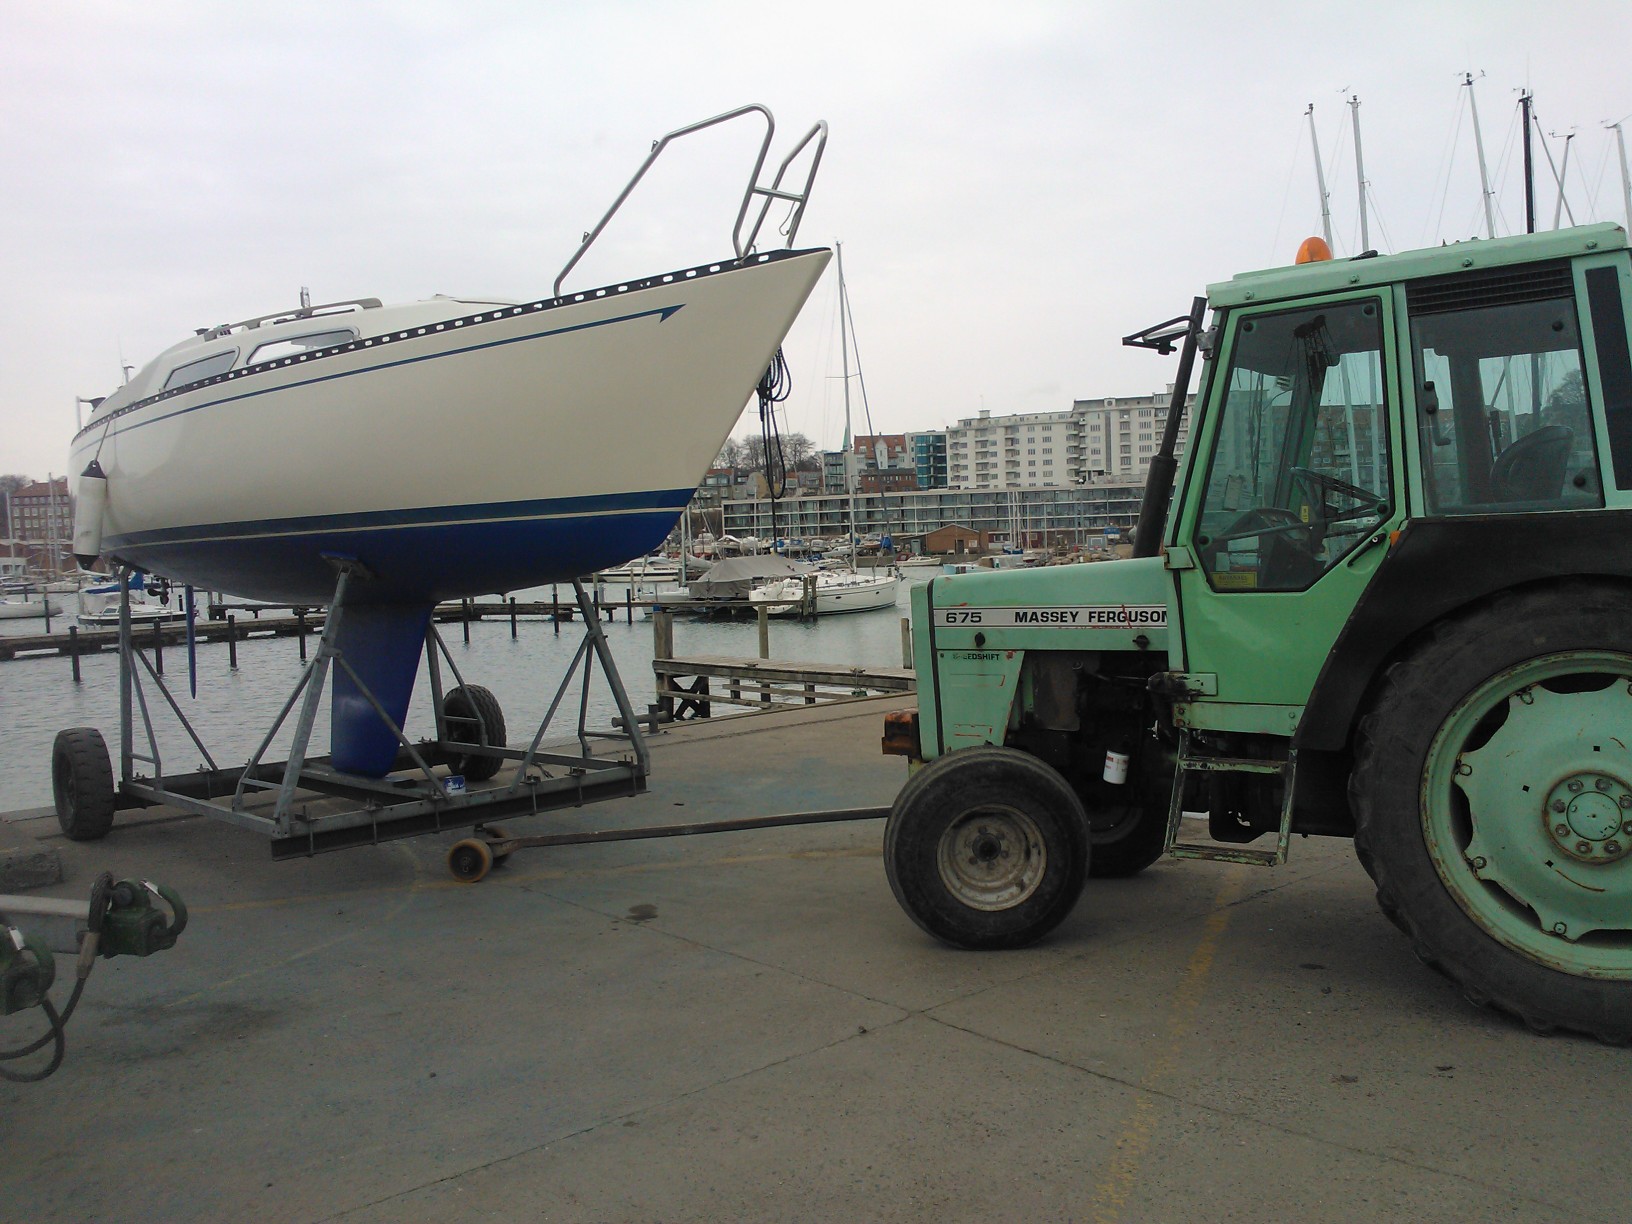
{"type": "Point", "coordinates": [1116, 1185]}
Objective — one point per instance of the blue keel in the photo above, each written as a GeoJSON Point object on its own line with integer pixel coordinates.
{"type": "Point", "coordinates": [382, 643]}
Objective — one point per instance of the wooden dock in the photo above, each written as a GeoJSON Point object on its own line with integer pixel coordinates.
{"type": "Point", "coordinates": [241, 622]}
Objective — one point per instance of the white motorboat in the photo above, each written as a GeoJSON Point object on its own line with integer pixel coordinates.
{"type": "Point", "coordinates": [99, 605]}
{"type": "Point", "coordinates": [646, 570]}
{"type": "Point", "coordinates": [25, 607]}
{"type": "Point", "coordinates": [833, 591]}
{"type": "Point", "coordinates": [440, 449]}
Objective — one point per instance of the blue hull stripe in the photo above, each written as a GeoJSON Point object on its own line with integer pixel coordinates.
{"type": "Point", "coordinates": [597, 505]}
{"type": "Point", "coordinates": [409, 562]}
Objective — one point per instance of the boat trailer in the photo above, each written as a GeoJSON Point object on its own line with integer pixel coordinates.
{"type": "Point", "coordinates": [456, 780]}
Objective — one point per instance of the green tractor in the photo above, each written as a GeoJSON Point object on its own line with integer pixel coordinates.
{"type": "Point", "coordinates": [1386, 595]}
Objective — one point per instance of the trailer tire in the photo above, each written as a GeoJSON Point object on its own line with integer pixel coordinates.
{"type": "Point", "coordinates": [1492, 792]}
{"type": "Point", "coordinates": [987, 848]}
{"type": "Point", "coordinates": [462, 707]}
{"type": "Point", "coordinates": [82, 784]}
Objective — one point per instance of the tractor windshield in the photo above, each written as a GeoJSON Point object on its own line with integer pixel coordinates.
{"type": "Point", "coordinates": [1300, 468]}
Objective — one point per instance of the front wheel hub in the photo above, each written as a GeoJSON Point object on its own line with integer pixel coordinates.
{"type": "Point", "coordinates": [992, 859]}
{"type": "Point", "coordinates": [1589, 817]}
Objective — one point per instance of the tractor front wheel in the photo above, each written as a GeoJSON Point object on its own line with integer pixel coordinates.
{"type": "Point", "coordinates": [1492, 793]}
{"type": "Point", "coordinates": [987, 848]}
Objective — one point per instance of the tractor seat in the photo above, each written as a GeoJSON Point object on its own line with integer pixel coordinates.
{"type": "Point", "coordinates": [1532, 468]}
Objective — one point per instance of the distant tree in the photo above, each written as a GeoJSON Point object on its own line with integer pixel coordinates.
{"type": "Point", "coordinates": [751, 453]}
{"type": "Point", "coordinates": [1567, 405]}
{"type": "Point", "coordinates": [799, 451]}
{"type": "Point", "coordinates": [730, 455]}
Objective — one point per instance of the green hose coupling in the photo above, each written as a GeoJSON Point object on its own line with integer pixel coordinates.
{"type": "Point", "coordinates": [27, 970]}
{"type": "Point", "coordinates": [134, 925]}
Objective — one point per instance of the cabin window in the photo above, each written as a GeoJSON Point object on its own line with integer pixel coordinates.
{"type": "Point", "coordinates": [1502, 409]}
{"type": "Point", "coordinates": [1300, 468]}
{"type": "Point", "coordinates": [293, 346]}
{"type": "Point", "coordinates": [198, 371]}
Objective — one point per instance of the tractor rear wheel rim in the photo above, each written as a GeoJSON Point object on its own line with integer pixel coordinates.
{"type": "Point", "coordinates": [1527, 810]}
{"type": "Point", "coordinates": [992, 858]}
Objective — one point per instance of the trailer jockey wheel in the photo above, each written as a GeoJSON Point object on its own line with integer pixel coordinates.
{"type": "Point", "coordinates": [473, 716]}
{"type": "Point", "coordinates": [987, 848]}
{"type": "Point", "coordinates": [469, 860]}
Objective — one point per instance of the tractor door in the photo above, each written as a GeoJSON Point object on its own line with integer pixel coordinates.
{"type": "Point", "coordinates": [1293, 487]}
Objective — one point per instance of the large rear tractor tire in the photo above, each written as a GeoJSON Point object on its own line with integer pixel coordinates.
{"type": "Point", "coordinates": [82, 784]}
{"type": "Point", "coordinates": [987, 848]}
{"type": "Point", "coordinates": [473, 717]}
{"type": "Point", "coordinates": [1492, 793]}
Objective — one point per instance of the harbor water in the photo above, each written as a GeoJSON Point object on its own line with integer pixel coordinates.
{"type": "Point", "coordinates": [234, 709]}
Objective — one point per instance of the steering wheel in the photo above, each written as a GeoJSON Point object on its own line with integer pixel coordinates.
{"type": "Point", "coordinates": [1262, 521]}
{"type": "Point", "coordinates": [1321, 484]}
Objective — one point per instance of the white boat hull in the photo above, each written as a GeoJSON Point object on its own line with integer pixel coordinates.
{"type": "Point", "coordinates": [484, 452]}
{"type": "Point", "coordinates": [835, 593]}
{"type": "Point", "coordinates": [25, 609]}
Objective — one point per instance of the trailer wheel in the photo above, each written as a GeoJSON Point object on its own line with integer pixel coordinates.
{"type": "Point", "coordinates": [469, 860]}
{"type": "Point", "coordinates": [82, 783]}
{"type": "Point", "coordinates": [987, 848]}
{"type": "Point", "coordinates": [473, 716]}
{"type": "Point", "coordinates": [1493, 803]}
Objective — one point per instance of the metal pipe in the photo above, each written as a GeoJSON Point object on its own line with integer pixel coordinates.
{"type": "Point", "coordinates": [1159, 481]}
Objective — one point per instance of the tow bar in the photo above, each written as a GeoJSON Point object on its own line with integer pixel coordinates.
{"type": "Point", "coordinates": [471, 859]}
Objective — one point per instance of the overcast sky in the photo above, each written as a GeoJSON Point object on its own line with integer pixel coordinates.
{"type": "Point", "coordinates": [1016, 185]}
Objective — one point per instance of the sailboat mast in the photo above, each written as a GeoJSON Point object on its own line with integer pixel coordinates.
{"type": "Point", "coordinates": [1320, 180]}
{"type": "Point", "coordinates": [849, 441]}
{"type": "Point", "coordinates": [1526, 101]}
{"type": "Point", "coordinates": [1560, 171]}
{"type": "Point", "coordinates": [1626, 182]}
{"type": "Point", "coordinates": [1360, 173]}
{"type": "Point", "coordinates": [1484, 175]}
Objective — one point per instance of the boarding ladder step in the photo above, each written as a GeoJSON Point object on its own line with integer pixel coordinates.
{"type": "Point", "coordinates": [1194, 760]}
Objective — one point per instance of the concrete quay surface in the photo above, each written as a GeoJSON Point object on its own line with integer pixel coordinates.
{"type": "Point", "coordinates": [746, 1027]}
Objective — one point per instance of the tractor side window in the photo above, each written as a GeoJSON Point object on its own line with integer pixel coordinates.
{"type": "Point", "coordinates": [1502, 408]}
{"type": "Point", "coordinates": [1300, 469]}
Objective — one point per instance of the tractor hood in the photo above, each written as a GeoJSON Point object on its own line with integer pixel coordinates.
{"type": "Point", "coordinates": [1101, 605]}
